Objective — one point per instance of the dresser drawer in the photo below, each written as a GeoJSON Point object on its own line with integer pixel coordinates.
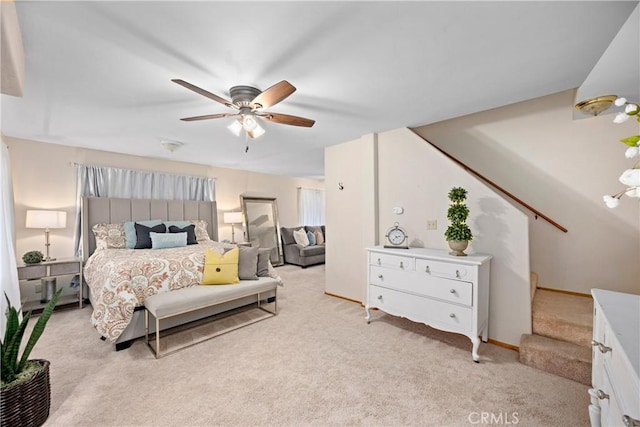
{"type": "Point", "coordinates": [32, 272]}
{"type": "Point", "coordinates": [66, 268]}
{"type": "Point", "coordinates": [433, 287]}
{"type": "Point", "coordinates": [443, 269]}
{"type": "Point", "coordinates": [421, 309]}
{"type": "Point", "coordinates": [624, 386]}
{"type": "Point", "coordinates": [397, 262]}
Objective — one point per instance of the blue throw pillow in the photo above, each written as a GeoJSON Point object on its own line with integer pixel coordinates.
{"type": "Point", "coordinates": [167, 240]}
{"type": "Point", "coordinates": [311, 237]}
{"type": "Point", "coordinates": [130, 230]}
{"type": "Point", "coordinates": [181, 224]}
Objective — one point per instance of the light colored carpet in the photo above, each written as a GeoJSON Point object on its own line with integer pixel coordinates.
{"type": "Point", "coordinates": [317, 363]}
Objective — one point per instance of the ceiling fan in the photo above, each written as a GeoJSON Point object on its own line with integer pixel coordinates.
{"type": "Point", "coordinates": [249, 103]}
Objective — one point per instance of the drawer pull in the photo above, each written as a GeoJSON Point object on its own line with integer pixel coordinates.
{"type": "Point", "coordinates": [380, 297]}
{"type": "Point", "coordinates": [379, 263]}
{"type": "Point", "coordinates": [602, 395]}
{"type": "Point", "coordinates": [401, 264]}
{"type": "Point", "coordinates": [453, 291]}
{"type": "Point", "coordinates": [457, 274]}
{"type": "Point", "coordinates": [380, 276]}
{"type": "Point", "coordinates": [630, 422]}
{"type": "Point", "coordinates": [452, 315]}
{"type": "Point", "coordinates": [426, 270]}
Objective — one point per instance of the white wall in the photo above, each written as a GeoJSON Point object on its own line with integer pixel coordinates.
{"type": "Point", "coordinates": [44, 178]}
{"type": "Point", "coordinates": [415, 176]}
{"type": "Point", "coordinates": [398, 168]}
{"type": "Point", "coordinates": [563, 168]}
{"type": "Point", "coordinates": [351, 215]}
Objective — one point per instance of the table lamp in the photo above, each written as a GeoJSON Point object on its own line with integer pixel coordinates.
{"type": "Point", "coordinates": [232, 218]}
{"type": "Point", "coordinates": [46, 220]}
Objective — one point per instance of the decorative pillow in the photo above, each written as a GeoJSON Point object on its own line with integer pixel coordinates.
{"type": "Point", "coordinates": [300, 236]}
{"type": "Point", "coordinates": [248, 263]}
{"type": "Point", "coordinates": [167, 240]}
{"type": "Point", "coordinates": [109, 236]}
{"type": "Point", "coordinates": [181, 224]}
{"type": "Point", "coordinates": [143, 240]}
{"type": "Point", "coordinates": [220, 269]}
{"type": "Point", "coordinates": [189, 229]}
{"type": "Point", "coordinates": [130, 230]}
{"type": "Point", "coordinates": [264, 254]}
{"type": "Point", "coordinates": [312, 238]}
{"type": "Point", "coordinates": [319, 237]}
{"type": "Point", "coordinates": [201, 230]}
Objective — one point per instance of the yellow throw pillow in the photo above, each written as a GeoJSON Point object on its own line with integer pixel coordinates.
{"type": "Point", "coordinates": [220, 269]}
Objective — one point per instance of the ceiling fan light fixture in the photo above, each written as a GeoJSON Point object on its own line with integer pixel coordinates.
{"type": "Point", "coordinates": [249, 123]}
{"type": "Point", "coordinates": [235, 127]}
{"type": "Point", "coordinates": [257, 132]}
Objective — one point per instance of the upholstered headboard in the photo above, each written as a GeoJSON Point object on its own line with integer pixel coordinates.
{"type": "Point", "coordinates": [96, 210]}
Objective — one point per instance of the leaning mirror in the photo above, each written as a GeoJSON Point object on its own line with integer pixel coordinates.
{"type": "Point", "coordinates": [260, 215]}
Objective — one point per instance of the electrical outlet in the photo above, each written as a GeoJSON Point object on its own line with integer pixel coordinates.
{"type": "Point", "coordinates": [432, 224]}
{"type": "Point", "coordinates": [38, 288]}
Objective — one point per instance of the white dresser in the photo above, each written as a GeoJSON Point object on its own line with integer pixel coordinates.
{"type": "Point", "coordinates": [615, 396]}
{"type": "Point", "coordinates": [431, 287]}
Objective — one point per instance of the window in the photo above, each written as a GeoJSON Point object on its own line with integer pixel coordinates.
{"type": "Point", "coordinates": [310, 206]}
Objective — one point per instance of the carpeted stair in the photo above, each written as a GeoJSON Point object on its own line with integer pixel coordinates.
{"type": "Point", "coordinates": [561, 340]}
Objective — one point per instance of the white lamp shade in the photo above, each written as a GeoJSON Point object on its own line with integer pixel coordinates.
{"type": "Point", "coordinates": [232, 217]}
{"type": "Point", "coordinates": [46, 219]}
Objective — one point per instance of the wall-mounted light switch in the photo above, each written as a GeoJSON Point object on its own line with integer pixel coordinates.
{"type": "Point", "coordinates": [432, 224]}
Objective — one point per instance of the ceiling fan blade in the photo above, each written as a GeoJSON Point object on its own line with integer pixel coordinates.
{"type": "Point", "coordinates": [203, 92]}
{"type": "Point", "coordinates": [286, 119]}
{"type": "Point", "coordinates": [274, 94]}
{"type": "Point", "coordinates": [208, 116]}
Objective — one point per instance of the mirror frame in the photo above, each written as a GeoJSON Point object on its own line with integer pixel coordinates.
{"type": "Point", "coordinates": [248, 200]}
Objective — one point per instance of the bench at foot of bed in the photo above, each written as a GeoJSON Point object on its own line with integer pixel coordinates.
{"type": "Point", "coordinates": [169, 304]}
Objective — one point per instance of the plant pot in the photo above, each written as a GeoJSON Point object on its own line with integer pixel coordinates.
{"type": "Point", "coordinates": [457, 247]}
{"type": "Point", "coordinates": [27, 403]}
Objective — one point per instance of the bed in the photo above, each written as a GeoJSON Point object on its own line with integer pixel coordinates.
{"type": "Point", "coordinates": [119, 279]}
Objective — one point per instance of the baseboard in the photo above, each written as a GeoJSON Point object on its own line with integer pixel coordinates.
{"type": "Point", "coordinates": [344, 298]}
{"type": "Point", "coordinates": [562, 291]}
{"type": "Point", "coordinates": [504, 345]}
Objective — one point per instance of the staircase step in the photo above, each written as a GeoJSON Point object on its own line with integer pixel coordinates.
{"type": "Point", "coordinates": [563, 317]}
{"type": "Point", "coordinates": [560, 358]}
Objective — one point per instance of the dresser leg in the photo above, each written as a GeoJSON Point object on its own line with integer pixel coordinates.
{"type": "Point", "coordinates": [367, 314]}
{"type": "Point", "coordinates": [474, 352]}
{"type": "Point", "coordinates": [485, 334]}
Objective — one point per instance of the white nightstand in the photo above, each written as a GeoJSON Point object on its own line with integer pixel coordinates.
{"type": "Point", "coordinates": [51, 270]}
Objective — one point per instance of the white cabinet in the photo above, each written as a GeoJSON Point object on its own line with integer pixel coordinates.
{"type": "Point", "coordinates": [615, 396]}
{"type": "Point", "coordinates": [431, 287]}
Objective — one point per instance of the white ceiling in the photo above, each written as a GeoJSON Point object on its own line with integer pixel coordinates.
{"type": "Point", "coordinates": [98, 74]}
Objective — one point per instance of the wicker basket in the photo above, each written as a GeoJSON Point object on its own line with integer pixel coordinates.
{"type": "Point", "coordinates": [27, 403]}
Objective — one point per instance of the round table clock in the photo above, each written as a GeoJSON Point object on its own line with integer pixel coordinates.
{"type": "Point", "coordinates": [396, 237]}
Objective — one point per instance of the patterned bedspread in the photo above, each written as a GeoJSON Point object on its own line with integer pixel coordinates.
{"type": "Point", "coordinates": [121, 279]}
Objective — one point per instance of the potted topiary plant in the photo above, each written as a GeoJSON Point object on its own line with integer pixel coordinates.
{"type": "Point", "coordinates": [32, 257]}
{"type": "Point", "coordinates": [458, 234]}
{"type": "Point", "coordinates": [25, 393]}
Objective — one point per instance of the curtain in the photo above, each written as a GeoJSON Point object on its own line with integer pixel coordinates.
{"type": "Point", "coordinates": [310, 206]}
{"type": "Point", "coordinates": [8, 268]}
{"type": "Point", "coordinates": [101, 181]}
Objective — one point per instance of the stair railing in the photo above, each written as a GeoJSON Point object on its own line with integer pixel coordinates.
{"type": "Point", "coordinates": [536, 212]}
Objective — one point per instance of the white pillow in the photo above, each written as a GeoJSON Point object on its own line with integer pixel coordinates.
{"type": "Point", "coordinates": [300, 236]}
